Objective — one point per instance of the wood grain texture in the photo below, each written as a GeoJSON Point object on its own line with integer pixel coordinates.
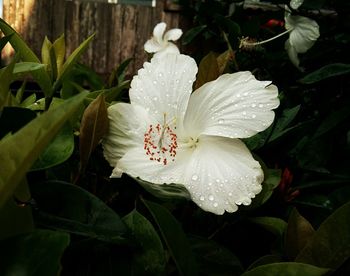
{"type": "Point", "coordinates": [121, 30]}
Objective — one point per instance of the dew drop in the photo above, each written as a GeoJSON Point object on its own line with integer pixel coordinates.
{"type": "Point", "coordinates": [211, 197]}
{"type": "Point", "coordinates": [194, 177]}
{"type": "Point", "coordinates": [253, 116]}
{"type": "Point", "coordinates": [155, 99]}
{"type": "Point", "coordinates": [177, 80]}
{"type": "Point", "coordinates": [221, 121]}
{"type": "Point", "coordinates": [261, 105]}
{"type": "Point", "coordinates": [253, 105]}
{"type": "Point", "coordinates": [167, 95]}
{"type": "Point", "coordinates": [154, 82]}
{"type": "Point", "coordinates": [201, 198]}
{"type": "Point", "coordinates": [160, 75]}
{"type": "Point", "coordinates": [210, 183]}
{"type": "Point", "coordinates": [230, 194]}
{"type": "Point", "coordinates": [244, 113]}
{"type": "Point", "coordinates": [215, 204]}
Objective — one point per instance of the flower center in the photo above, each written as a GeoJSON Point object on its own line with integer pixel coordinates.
{"type": "Point", "coordinates": [160, 143]}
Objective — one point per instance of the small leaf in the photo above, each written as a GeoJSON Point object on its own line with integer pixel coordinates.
{"type": "Point", "coordinates": [58, 151]}
{"type": "Point", "coordinates": [60, 51]}
{"type": "Point", "coordinates": [67, 207]}
{"type": "Point", "coordinates": [117, 76]}
{"type": "Point", "coordinates": [150, 258]}
{"type": "Point", "coordinates": [330, 245]}
{"type": "Point", "coordinates": [191, 34]}
{"type": "Point", "coordinates": [286, 269]}
{"type": "Point", "coordinates": [328, 71]}
{"type": "Point", "coordinates": [174, 238]}
{"type": "Point", "coordinates": [276, 226]}
{"type": "Point", "coordinates": [45, 55]}
{"type": "Point", "coordinates": [94, 125]}
{"type": "Point", "coordinates": [165, 191]}
{"type": "Point", "coordinates": [6, 75]}
{"type": "Point", "coordinates": [36, 253]}
{"type": "Point", "coordinates": [34, 137]}
{"type": "Point", "coordinates": [29, 100]}
{"type": "Point", "coordinates": [208, 70]}
{"type": "Point", "coordinates": [299, 232]}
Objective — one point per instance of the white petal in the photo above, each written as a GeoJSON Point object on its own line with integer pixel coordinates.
{"type": "Point", "coordinates": [173, 34]}
{"type": "Point", "coordinates": [235, 105]}
{"type": "Point", "coordinates": [304, 34]}
{"type": "Point", "coordinates": [152, 46]}
{"type": "Point", "coordinates": [158, 32]}
{"type": "Point", "coordinates": [295, 4]}
{"type": "Point", "coordinates": [164, 86]}
{"type": "Point", "coordinates": [292, 53]}
{"type": "Point", "coordinates": [137, 164]}
{"type": "Point", "coordinates": [126, 130]}
{"type": "Point", "coordinates": [222, 174]}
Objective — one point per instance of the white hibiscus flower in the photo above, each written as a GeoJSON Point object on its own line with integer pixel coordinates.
{"type": "Point", "coordinates": [170, 135]}
{"type": "Point", "coordinates": [160, 42]}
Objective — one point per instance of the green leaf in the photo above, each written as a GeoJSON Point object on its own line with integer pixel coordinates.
{"type": "Point", "coordinates": [70, 62]}
{"type": "Point", "coordinates": [276, 226]}
{"type": "Point", "coordinates": [208, 69]}
{"type": "Point", "coordinates": [57, 151]}
{"type": "Point", "coordinates": [34, 137]}
{"type": "Point", "coordinates": [117, 76]}
{"type": "Point", "coordinates": [28, 101]}
{"type": "Point", "coordinates": [191, 34]}
{"type": "Point", "coordinates": [271, 181]}
{"type": "Point", "coordinates": [330, 245]}
{"type": "Point", "coordinates": [36, 253]}
{"type": "Point", "coordinates": [286, 269]}
{"type": "Point", "coordinates": [298, 233]}
{"type": "Point", "coordinates": [60, 52]}
{"type": "Point", "coordinates": [67, 207]}
{"type": "Point", "coordinates": [150, 257]}
{"type": "Point", "coordinates": [93, 127]}
{"type": "Point", "coordinates": [27, 55]}
{"type": "Point", "coordinates": [174, 238]}
{"type": "Point", "coordinates": [165, 191]}
{"type": "Point", "coordinates": [26, 67]}
{"type": "Point", "coordinates": [214, 259]}
{"type": "Point", "coordinates": [39, 105]}
{"type": "Point", "coordinates": [45, 55]}
{"type": "Point", "coordinates": [282, 123]}
{"type": "Point", "coordinates": [328, 71]}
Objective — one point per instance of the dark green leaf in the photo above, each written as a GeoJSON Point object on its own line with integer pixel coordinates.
{"type": "Point", "coordinates": [165, 191]}
{"type": "Point", "coordinates": [330, 245]}
{"type": "Point", "coordinates": [33, 254]}
{"type": "Point", "coordinates": [150, 258]}
{"type": "Point", "coordinates": [286, 269]}
{"type": "Point", "coordinates": [26, 67]}
{"type": "Point", "coordinates": [34, 137]}
{"type": "Point", "coordinates": [14, 118]}
{"type": "Point", "coordinates": [214, 259]}
{"type": "Point", "coordinates": [276, 226]}
{"type": "Point", "coordinates": [299, 232]}
{"type": "Point", "coordinates": [267, 259]}
{"type": "Point", "coordinates": [328, 71]}
{"type": "Point", "coordinates": [58, 151]}
{"type": "Point", "coordinates": [66, 207]}
{"type": "Point", "coordinates": [6, 75]}
{"type": "Point", "coordinates": [191, 34]}
{"type": "Point", "coordinates": [174, 238]}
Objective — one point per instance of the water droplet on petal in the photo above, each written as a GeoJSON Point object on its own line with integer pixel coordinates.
{"type": "Point", "coordinates": [154, 82]}
{"type": "Point", "coordinates": [201, 198]}
{"type": "Point", "coordinates": [194, 177]}
{"type": "Point", "coordinates": [211, 197]}
{"type": "Point", "coordinates": [215, 204]}
{"type": "Point", "coordinates": [221, 121]}
{"type": "Point", "coordinates": [155, 99]}
{"type": "Point", "coordinates": [253, 105]}
{"type": "Point", "coordinates": [253, 116]}
{"type": "Point", "coordinates": [261, 105]}
{"type": "Point", "coordinates": [230, 194]}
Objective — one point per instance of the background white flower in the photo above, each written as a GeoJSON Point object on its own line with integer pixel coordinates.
{"type": "Point", "coordinates": [295, 4]}
{"type": "Point", "coordinates": [168, 135]}
{"type": "Point", "coordinates": [303, 34]}
{"type": "Point", "coordinates": [160, 42]}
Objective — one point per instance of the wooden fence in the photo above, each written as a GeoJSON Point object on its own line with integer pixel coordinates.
{"type": "Point", "coordinates": [121, 30]}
